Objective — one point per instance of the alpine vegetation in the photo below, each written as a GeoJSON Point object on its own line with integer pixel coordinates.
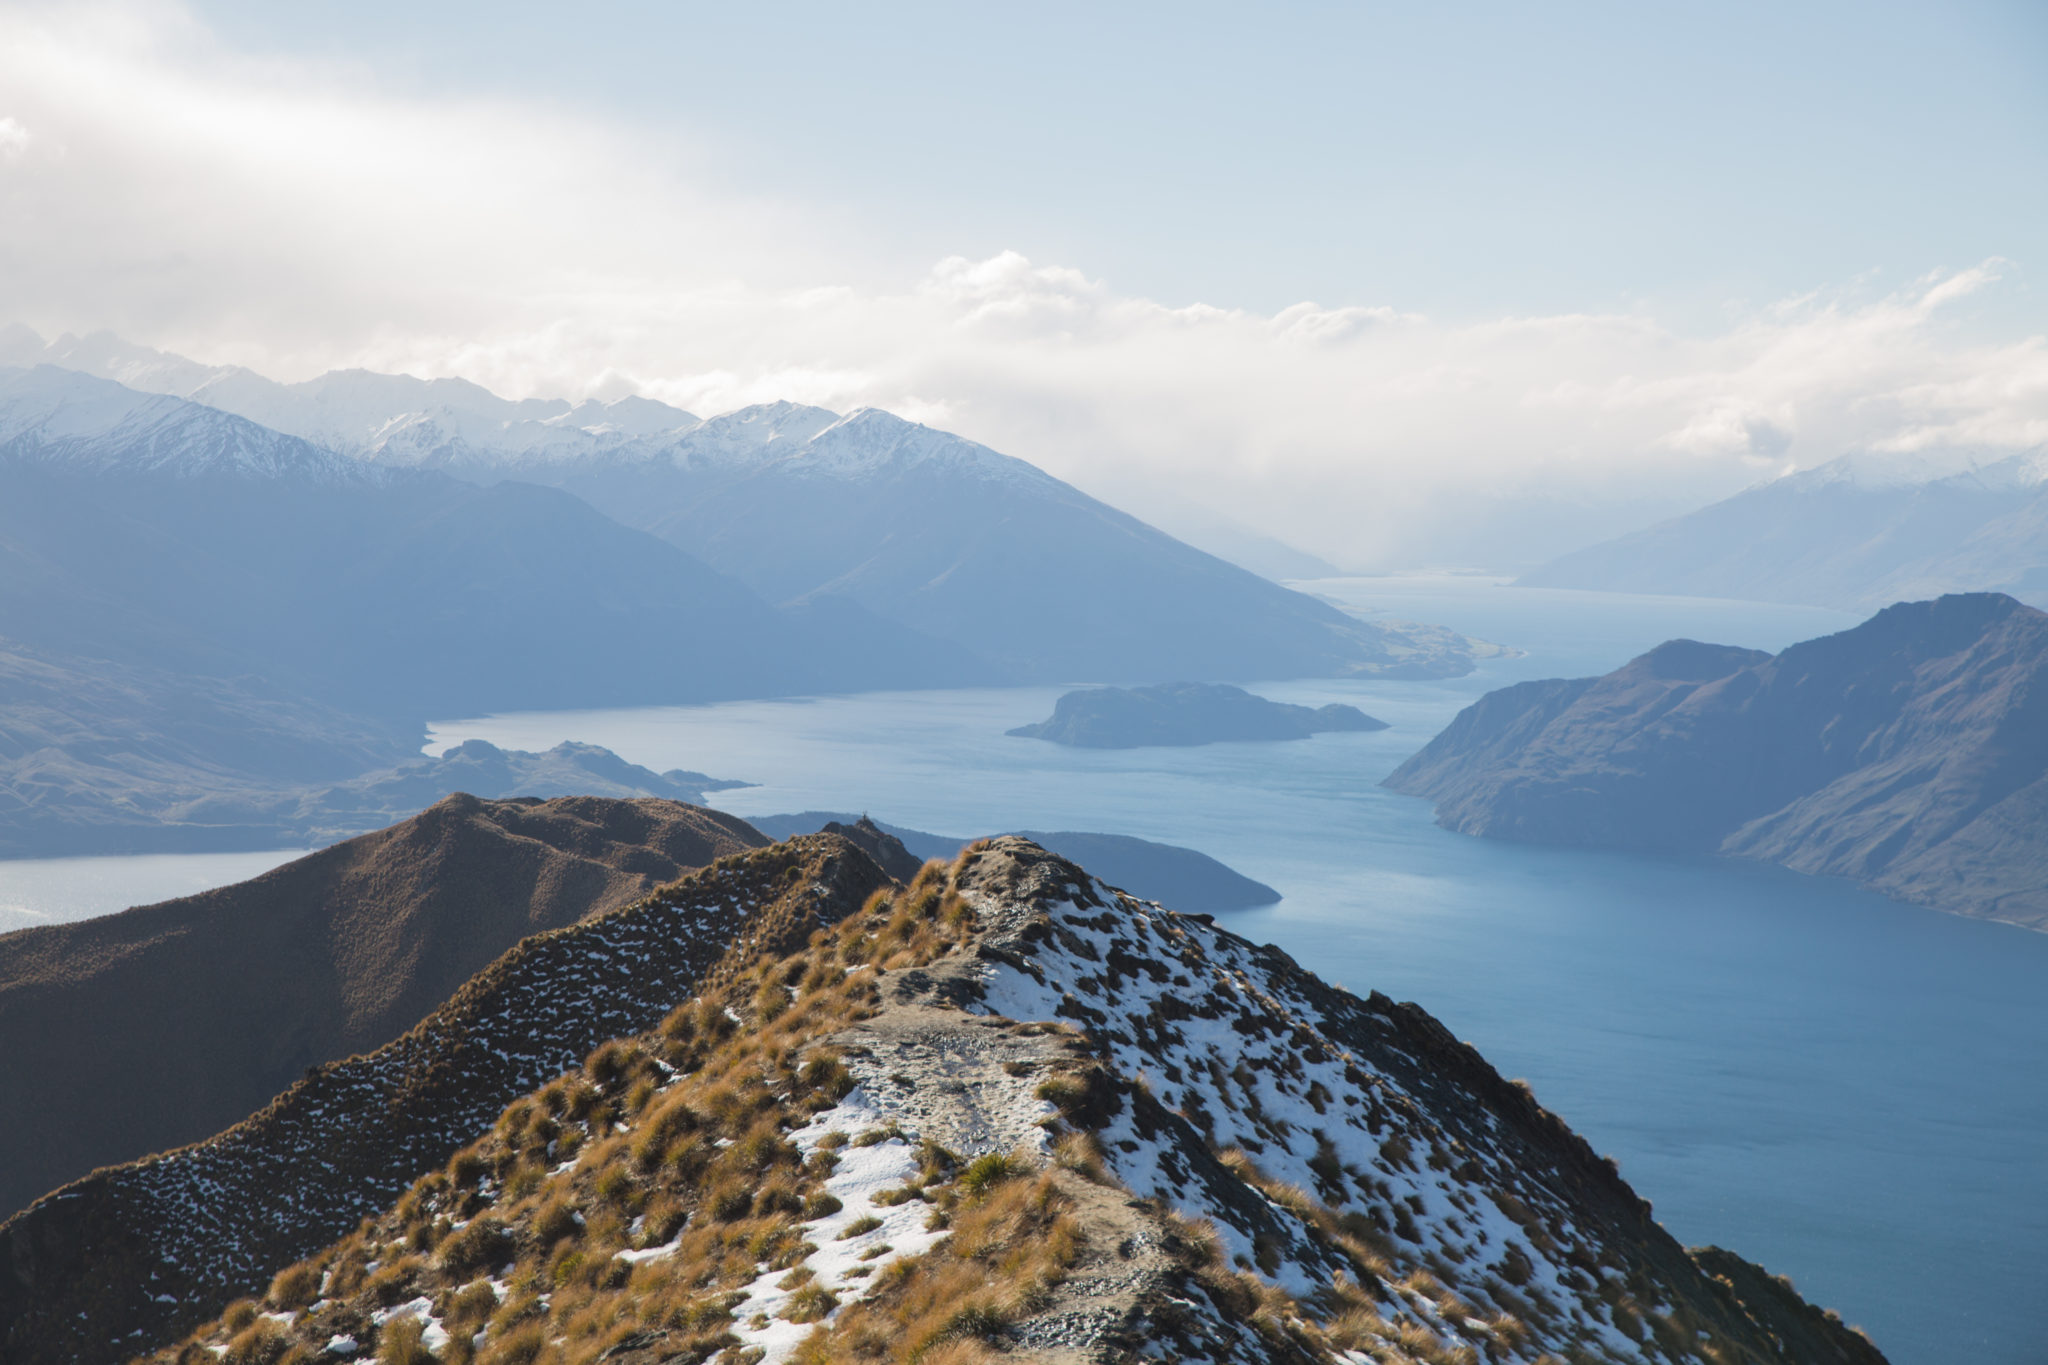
{"type": "Point", "coordinates": [1000, 1112]}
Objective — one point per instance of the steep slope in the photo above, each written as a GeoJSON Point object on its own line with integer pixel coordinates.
{"type": "Point", "coordinates": [1003, 1112]}
{"type": "Point", "coordinates": [1910, 753]}
{"type": "Point", "coordinates": [1856, 533]}
{"type": "Point", "coordinates": [157, 1026]}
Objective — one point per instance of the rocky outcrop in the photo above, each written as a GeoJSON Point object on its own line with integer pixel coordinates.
{"type": "Point", "coordinates": [163, 1024]}
{"type": "Point", "coordinates": [1910, 754]}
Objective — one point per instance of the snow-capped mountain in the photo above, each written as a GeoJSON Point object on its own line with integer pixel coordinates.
{"type": "Point", "coordinates": [923, 527]}
{"type": "Point", "coordinates": [1856, 533]}
{"type": "Point", "coordinates": [75, 422]}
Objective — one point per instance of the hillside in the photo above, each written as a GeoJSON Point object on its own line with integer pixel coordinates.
{"type": "Point", "coordinates": [1854, 534]}
{"type": "Point", "coordinates": [1910, 754]}
{"type": "Point", "coordinates": [1184, 714]}
{"type": "Point", "coordinates": [1014, 568]}
{"type": "Point", "coordinates": [1000, 1113]}
{"type": "Point", "coordinates": [165, 1023]}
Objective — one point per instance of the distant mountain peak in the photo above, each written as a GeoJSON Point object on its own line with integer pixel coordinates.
{"type": "Point", "coordinates": [79, 424]}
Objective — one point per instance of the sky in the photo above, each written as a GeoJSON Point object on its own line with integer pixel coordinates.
{"type": "Point", "coordinates": [1404, 285]}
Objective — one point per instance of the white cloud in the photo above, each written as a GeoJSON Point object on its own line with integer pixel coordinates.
{"type": "Point", "coordinates": [296, 218]}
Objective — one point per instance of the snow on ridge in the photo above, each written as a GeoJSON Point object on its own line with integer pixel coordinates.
{"type": "Point", "coordinates": [76, 422]}
{"type": "Point", "coordinates": [1973, 469]}
{"type": "Point", "coordinates": [1218, 1032]}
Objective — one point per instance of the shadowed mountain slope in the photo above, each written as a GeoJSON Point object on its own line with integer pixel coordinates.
{"type": "Point", "coordinates": [157, 1026]}
{"type": "Point", "coordinates": [1001, 1113]}
{"type": "Point", "coordinates": [1910, 753]}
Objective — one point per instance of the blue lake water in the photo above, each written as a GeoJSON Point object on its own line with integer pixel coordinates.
{"type": "Point", "coordinates": [1847, 1090]}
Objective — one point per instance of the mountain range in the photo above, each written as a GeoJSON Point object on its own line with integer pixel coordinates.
{"type": "Point", "coordinates": [1909, 754]}
{"type": "Point", "coordinates": [790, 1110]}
{"type": "Point", "coordinates": [1030, 576]}
{"type": "Point", "coordinates": [1856, 533]}
{"type": "Point", "coordinates": [198, 606]}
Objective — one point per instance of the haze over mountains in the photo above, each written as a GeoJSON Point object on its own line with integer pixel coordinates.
{"type": "Point", "coordinates": [1857, 533]}
{"type": "Point", "coordinates": [1910, 754]}
{"type": "Point", "coordinates": [1034, 578]}
{"type": "Point", "coordinates": [198, 606]}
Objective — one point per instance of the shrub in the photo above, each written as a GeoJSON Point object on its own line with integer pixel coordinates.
{"type": "Point", "coordinates": [262, 1344]}
{"type": "Point", "coordinates": [295, 1286]}
{"type": "Point", "coordinates": [402, 1345]}
{"type": "Point", "coordinates": [484, 1245]}
{"type": "Point", "coordinates": [520, 1346]}
{"type": "Point", "coordinates": [241, 1313]}
{"type": "Point", "coordinates": [984, 1173]}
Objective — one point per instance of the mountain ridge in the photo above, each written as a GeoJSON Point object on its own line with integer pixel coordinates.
{"type": "Point", "coordinates": [839, 1137]}
{"type": "Point", "coordinates": [232, 993]}
{"type": "Point", "coordinates": [1906, 753]}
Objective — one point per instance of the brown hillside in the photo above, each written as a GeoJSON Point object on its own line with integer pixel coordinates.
{"type": "Point", "coordinates": [163, 1024]}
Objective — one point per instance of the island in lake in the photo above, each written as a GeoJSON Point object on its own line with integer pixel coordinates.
{"type": "Point", "coordinates": [1184, 713]}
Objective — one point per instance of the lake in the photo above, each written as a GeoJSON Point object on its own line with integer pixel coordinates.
{"type": "Point", "coordinates": [54, 890]}
{"type": "Point", "coordinates": [1842, 1088]}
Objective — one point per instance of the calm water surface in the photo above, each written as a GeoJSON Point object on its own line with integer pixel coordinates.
{"type": "Point", "coordinates": [1847, 1090]}
{"type": "Point", "coordinates": [54, 890]}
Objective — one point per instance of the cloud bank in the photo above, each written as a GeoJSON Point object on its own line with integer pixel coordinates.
{"type": "Point", "coordinates": [298, 218]}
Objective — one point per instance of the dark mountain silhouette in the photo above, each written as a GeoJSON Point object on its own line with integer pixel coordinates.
{"type": "Point", "coordinates": [139, 1031]}
{"type": "Point", "coordinates": [1182, 714]}
{"type": "Point", "coordinates": [1004, 1109]}
{"type": "Point", "coordinates": [1910, 753]}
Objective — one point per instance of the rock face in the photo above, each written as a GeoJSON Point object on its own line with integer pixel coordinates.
{"type": "Point", "coordinates": [1002, 1109]}
{"type": "Point", "coordinates": [1183, 714]}
{"type": "Point", "coordinates": [1910, 753]}
{"type": "Point", "coordinates": [140, 1031]}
